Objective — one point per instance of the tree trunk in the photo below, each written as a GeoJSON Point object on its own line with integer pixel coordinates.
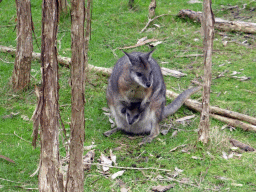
{"type": "Point", "coordinates": [151, 9]}
{"type": "Point", "coordinates": [63, 5]}
{"type": "Point", "coordinates": [49, 176]}
{"type": "Point", "coordinates": [75, 177]}
{"type": "Point", "coordinates": [208, 28]}
{"type": "Point", "coordinates": [22, 66]}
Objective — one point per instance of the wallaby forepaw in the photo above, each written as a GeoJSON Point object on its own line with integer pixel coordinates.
{"type": "Point", "coordinates": [107, 133]}
{"type": "Point", "coordinates": [110, 132]}
{"type": "Point", "coordinates": [146, 140]}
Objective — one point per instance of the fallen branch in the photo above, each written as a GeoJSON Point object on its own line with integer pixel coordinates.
{"type": "Point", "coordinates": [66, 61]}
{"type": "Point", "coordinates": [139, 44]}
{"type": "Point", "coordinates": [131, 168]}
{"type": "Point", "coordinates": [221, 24]}
{"type": "Point", "coordinates": [235, 123]}
{"type": "Point", "coordinates": [241, 145]}
{"type": "Point", "coordinates": [195, 105]}
{"type": "Point", "coordinates": [150, 20]}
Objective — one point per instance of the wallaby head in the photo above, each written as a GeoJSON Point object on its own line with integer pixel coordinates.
{"type": "Point", "coordinates": [140, 69]}
{"type": "Point", "coordinates": [133, 111]}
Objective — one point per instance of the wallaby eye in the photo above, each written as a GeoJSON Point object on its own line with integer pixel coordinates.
{"type": "Point", "coordinates": [136, 116]}
{"type": "Point", "coordinates": [138, 74]}
{"type": "Point", "coordinates": [128, 115]}
{"type": "Point", "coordinates": [123, 110]}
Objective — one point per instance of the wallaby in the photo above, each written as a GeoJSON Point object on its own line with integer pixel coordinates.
{"type": "Point", "coordinates": [136, 83]}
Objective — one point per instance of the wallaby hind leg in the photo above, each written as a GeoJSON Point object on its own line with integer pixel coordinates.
{"type": "Point", "coordinates": [110, 132]}
{"type": "Point", "coordinates": [154, 133]}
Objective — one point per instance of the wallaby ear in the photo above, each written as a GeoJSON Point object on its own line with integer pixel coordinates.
{"type": "Point", "coordinates": [130, 57]}
{"type": "Point", "coordinates": [148, 55]}
{"type": "Point", "coordinates": [125, 104]}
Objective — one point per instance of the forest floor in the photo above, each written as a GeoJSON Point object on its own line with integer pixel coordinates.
{"type": "Point", "coordinates": [175, 159]}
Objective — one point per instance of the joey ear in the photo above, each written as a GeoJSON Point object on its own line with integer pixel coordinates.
{"type": "Point", "coordinates": [125, 104]}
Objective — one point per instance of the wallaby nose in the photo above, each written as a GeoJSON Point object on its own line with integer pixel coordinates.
{"type": "Point", "coordinates": [148, 84]}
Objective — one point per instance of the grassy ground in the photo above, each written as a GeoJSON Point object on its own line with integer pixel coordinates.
{"type": "Point", "coordinates": [114, 25]}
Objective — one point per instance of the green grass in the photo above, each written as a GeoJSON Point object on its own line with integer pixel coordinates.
{"type": "Point", "coordinates": [114, 25]}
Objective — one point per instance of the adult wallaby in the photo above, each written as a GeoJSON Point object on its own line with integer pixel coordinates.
{"type": "Point", "coordinates": [136, 83]}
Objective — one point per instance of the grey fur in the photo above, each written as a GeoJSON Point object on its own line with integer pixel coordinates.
{"type": "Point", "coordinates": [137, 78]}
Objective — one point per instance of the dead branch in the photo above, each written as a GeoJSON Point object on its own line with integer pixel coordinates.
{"type": "Point", "coordinates": [21, 137]}
{"type": "Point", "coordinates": [235, 123]}
{"type": "Point", "coordinates": [195, 105]}
{"type": "Point", "coordinates": [139, 44]}
{"type": "Point", "coordinates": [131, 168]}
{"type": "Point", "coordinates": [241, 145]}
{"type": "Point", "coordinates": [66, 61]}
{"type": "Point", "coordinates": [151, 20]}
{"type": "Point", "coordinates": [221, 24]}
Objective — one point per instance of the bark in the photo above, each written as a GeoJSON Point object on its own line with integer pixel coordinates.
{"type": "Point", "coordinates": [75, 177]}
{"type": "Point", "coordinates": [208, 28]}
{"type": "Point", "coordinates": [221, 24]}
{"type": "Point", "coordinates": [88, 30]}
{"type": "Point", "coordinates": [49, 176]}
{"type": "Point", "coordinates": [63, 5]}
{"type": "Point", "coordinates": [22, 66]}
{"type": "Point", "coordinates": [151, 9]}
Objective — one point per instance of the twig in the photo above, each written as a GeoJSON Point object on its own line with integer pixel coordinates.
{"type": "Point", "coordinates": [7, 159]}
{"type": "Point", "coordinates": [21, 138]}
{"type": "Point", "coordinates": [7, 25]}
{"type": "Point", "coordinates": [9, 180]}
{"type": "Point", "coordinates": [36, 171]}
{"type": "Point", "coordinates": [6, 61]}
{"type": "Point", "coordinates": [150, 20]}
{"type": "Point", "coordinates": [132, 168]}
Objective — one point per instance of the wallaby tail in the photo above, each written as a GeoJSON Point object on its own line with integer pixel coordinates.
{"type": "Point", "coordinates": [178, 102]}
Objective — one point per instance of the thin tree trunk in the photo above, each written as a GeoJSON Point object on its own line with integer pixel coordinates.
{"type": "Point", "coordinates": [75, 177]}
{"type": "Point", "coordinates": [22, 66]}
{"type": "Point", "coordinates": [49, 176]}
{"type": "Point", "coordinates": [151, 9]}
{"type": "Point", "coordinates": [63, 5]}
{"type": "Point", "coordinates": [208, 28]}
